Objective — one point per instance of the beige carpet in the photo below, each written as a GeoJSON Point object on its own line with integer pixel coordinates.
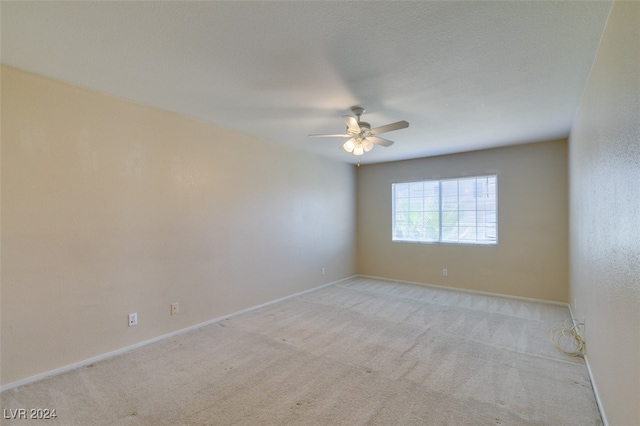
{"type": "Point", "coordinates": [360, 352]}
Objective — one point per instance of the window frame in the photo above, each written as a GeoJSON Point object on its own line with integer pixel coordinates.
{"type": "Point", "coordinates": [483, 243]}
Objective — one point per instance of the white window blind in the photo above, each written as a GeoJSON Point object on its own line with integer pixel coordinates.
{"type": "Point", "coordinates": [462, 211]}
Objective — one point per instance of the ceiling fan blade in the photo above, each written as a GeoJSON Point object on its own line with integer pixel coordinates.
{"type": "Point", "coordinates": [330, 136]}
{"type": "Point", "coordinates": [380, 141]}
{"type": "Point", "coordinates": [352, 123]}
{"type": "Point", "coordinates": [389, 127]}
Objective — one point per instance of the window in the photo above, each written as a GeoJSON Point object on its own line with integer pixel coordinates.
{"type": "Point", "coordinates": [460, 211]}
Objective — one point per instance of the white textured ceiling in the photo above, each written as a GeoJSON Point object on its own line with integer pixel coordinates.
{"type": "Point", "coordinates": [466, 75]}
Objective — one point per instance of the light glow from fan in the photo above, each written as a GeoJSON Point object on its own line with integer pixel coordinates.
{"type": "Point", "coordinates": [357, 146]}
{"type": "Point", "coordinates": [349, 145]}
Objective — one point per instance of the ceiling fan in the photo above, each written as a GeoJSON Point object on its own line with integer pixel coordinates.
{"type": "Point", "coordinates": [361, 136]}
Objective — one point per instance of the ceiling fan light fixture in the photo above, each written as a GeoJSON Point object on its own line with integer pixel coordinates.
{"type": "Point", "coordinates": [349, 145]}
{"type": "Point", "coordinates": [367, 145]}
{"type": "Point", "coordinates": [358, 150]}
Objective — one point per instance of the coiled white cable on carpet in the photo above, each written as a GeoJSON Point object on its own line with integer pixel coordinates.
{"type": "Point", "coordinates": [566, 339]}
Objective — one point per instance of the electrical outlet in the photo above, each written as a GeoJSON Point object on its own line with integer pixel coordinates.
{"type": "Point", "coordinates": [445, 272]}
{"type": "Point", "coordinates": [174, 308]}
{"type": "Point", "coordinates": [322, 270]}
{"type": "Point", "coordinates": [133, 319]}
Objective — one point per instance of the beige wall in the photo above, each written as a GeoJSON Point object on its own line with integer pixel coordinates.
{"type": "Point", "coordinates": [110, 207]}
{"type": "Point", "coordinates": [604, 168]}
{"type": "Point", "coordinates": [531, 259]}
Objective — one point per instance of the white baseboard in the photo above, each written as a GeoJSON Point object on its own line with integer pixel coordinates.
{"type": "Point", "coordinates": [592, 380]}
{"type": "Point", "coordinates": [464, 290]}
{"type": "Point", "coordinates": [120, 351]}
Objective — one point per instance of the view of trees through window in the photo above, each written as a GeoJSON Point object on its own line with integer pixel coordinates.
{"type": "Point", "coordinates": [448, 211]}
